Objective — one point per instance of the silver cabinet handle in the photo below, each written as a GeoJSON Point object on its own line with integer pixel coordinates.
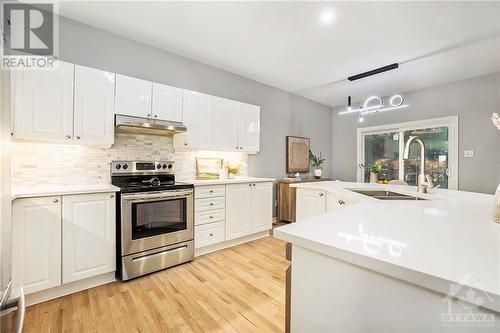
{"type": "Point", "coordinates": [341, 202]}
{"type": "Point", "coordinates": [321, 194]}
{"type": "Point", "coordinates": [55, 201]}
{"type": "Point", "coordinates": [68, 136]}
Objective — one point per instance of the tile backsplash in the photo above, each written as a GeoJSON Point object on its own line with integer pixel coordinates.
{"type": "Point", "coordinates": [35, 164]}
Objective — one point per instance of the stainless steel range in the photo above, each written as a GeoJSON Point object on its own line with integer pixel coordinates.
{"type": "Point", "coordinates": [154, 218]}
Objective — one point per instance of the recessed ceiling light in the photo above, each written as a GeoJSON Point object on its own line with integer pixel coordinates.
{"type": "Point", "coordinates": [327, 16]}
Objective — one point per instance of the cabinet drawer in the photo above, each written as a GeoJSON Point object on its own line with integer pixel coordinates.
{"type": "Point", "coordinates": [210, 191]}
{"type": "Point", "coordinates": [209, 216]}
{"type": "Point", "coordinates": [209, 204]}
{"type": "Point", "coordinates": [209, 234]}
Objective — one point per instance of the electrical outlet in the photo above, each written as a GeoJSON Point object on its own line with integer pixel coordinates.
{"type": "Point", "coordinates": [468, 153]}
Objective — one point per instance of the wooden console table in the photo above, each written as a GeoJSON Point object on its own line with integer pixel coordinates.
{"type": "Point", "coordinates": [286, 197]}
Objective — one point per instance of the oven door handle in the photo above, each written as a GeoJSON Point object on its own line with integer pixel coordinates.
{"type": "Point", "coordinates": [162, 195]}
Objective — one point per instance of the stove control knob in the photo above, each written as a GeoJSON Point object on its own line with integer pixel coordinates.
{"type": "Point", "coordinates": [170, 166]}
{"type": "Point", "coordinates": [125, 166]}
{"type": "Point", "coordinates": [118, 166]}
{"type": "Point", "coordinates": [164, 166]}
{"type": "Point", "coordinates": [158, 166]}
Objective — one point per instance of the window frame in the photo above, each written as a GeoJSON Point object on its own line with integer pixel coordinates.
{"type": "Point", "coordinates": [450, 122]}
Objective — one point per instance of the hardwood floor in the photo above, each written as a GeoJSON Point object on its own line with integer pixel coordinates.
{"type": "Point", "coordinates": [240, 289]}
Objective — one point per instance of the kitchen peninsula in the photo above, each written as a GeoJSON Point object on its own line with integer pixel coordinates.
{"type": "Point", "coordinates": [362, 262]}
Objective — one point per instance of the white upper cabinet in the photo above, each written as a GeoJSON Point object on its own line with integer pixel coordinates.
{"type": "Point", "coordinates": [94, 106]}
{"type": "Point", "coordinates": [197, 114]}
{"type": "Point", "coordinates": [249, 128]}
{"type": "Point", "coordinates": [133, 96]}
{"type": "Point", "coordinates": [262, 209]}
{"type": "Point", "coordinates": [225, 124]}
{"type": "Point", "coordinates": [88, 234]}
{"type": "Point", "coordinates": [36, 243]}
{"type": "Point", "coordinates": [43, 103]}
{"type": "Point", "coordinates": [167, 102]}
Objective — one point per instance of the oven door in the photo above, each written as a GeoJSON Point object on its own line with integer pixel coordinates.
{"type": "Point", "coordinates": [154, 219]}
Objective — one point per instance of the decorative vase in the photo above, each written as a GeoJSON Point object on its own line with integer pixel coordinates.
{"type": "Point", "coordinates": [318, 172]}
{"type": "Point", "coordinates": [373, 177]}
{"type": "Point", "coordinates": [496, 206]}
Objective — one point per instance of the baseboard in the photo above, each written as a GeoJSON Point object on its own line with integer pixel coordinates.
{"type": "Point", "coordinates": [233, 242]}
{"type": "Point", "coordinates": [70, 288]}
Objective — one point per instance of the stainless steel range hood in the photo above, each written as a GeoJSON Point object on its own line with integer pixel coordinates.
{"type": "Point", "coordinates": [128, 124]}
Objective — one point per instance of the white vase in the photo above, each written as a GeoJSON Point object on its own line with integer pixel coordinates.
{"type": "Point", "coordinates": [373, 177]}
{"type": "Point", "coordinates": [496, 206]}
{"type": "Point", "coordinates": [318, 173]}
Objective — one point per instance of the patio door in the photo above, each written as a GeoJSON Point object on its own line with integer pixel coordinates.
{"type": "Point", "coordinates": [384, 145]}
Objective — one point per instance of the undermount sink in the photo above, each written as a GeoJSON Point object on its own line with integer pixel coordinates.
{"type": "Point", "coordinates": [386, 195]}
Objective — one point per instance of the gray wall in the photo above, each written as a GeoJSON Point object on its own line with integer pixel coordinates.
{"type": "Point", "coordinates": [282, 113]}
{"type": "Point", "coordinates": [472, 100]}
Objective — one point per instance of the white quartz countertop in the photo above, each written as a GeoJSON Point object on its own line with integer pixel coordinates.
{"type": "Point", "coordinates": [45, 191]}
{"type": "Point", "coordinates": [229, 181]}
{"type": "Point", "coordinates": [449, 239]}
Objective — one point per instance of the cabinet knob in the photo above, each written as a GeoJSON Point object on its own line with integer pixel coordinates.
{"type": "Point", "coordinates": [149, 114]}
{"type": "Point", "coordinates": [249, 184]}
{"type": "Point", "coordinates": [156, 116]}
{"type": "Point", "coordinates": [211, 217]}
{"type": "Point", "coordinates": [211, 235]}
{"type": "Point", "coordinates": [211, 204]}
{"type": "Point", "coordinates": [112, 196]}
{"type": "Point", "coordinates": [241, 147]}
{"type": "Point", "coordinates": [211, 191]}
{"type": "Point", "coordinates": [321, 194]}
{"type": "Point", "coordinates": [55, 201]}
{"type": "Point", "coordinates": [185, 144]}
{"type": "Point", "coordinates": [341, 202]}
{"type": "Point", "coordinates": [78, 138]}
{"type": "Point", "coordinates": [68, 136]}
{"type": "Point", "coordinates": [237, 147]}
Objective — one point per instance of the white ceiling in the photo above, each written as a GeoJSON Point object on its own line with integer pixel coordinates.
{"type": "Point", "coordinates": [283, 44]}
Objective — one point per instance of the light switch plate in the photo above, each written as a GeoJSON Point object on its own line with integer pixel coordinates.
{"type": "Point", "coordinates": [468, 153]}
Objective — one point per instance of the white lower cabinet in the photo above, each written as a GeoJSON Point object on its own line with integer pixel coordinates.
{"type": "Point", "coordinates": [227, 212]}
{"type": "Point", "coordinates": [57, 239]}
{"type": "Point", "coordinates": [238, 210]}
{"type": "Point", "coordinates": [88, 233]}
{"type": "Point", "coordinates": [262, 207]}
{"type": "Point", "coordinates": [248, 209]}
{"type": "Point", "coordinates": [209, 234]}
{"type": "Point", "coordinates": [36, 243]}
{"type": "Point", "coordinates": [310, 203]}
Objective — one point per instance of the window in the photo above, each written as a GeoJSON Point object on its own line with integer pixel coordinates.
{"type": "Point", "coordinates": [384, 145]}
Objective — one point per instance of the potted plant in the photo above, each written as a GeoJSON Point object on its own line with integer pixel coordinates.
{"type": "Point", "coordinates": [374, 168]}
{"type": "Point", "coordinates": [316, 162]}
